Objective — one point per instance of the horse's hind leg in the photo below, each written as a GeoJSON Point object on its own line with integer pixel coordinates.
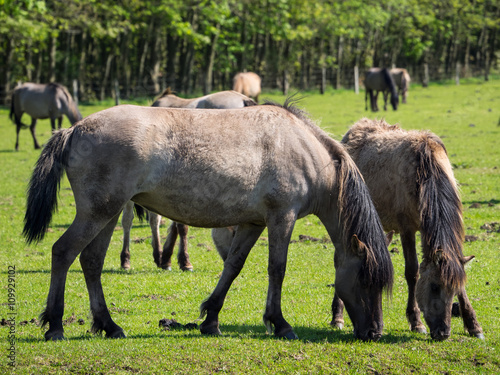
{"type": "Point", "coordinates": [64, 252]}
{"type": "Point", "coordinates": [337, 312]}
{"type": "Point", "coordinates": [127, 219]}
{"type": "Point", "coordinates": [469, 316]}
{"type": "Point", "coordinates": [168, 247]}
{"type": "Point", "coordinates": [411, 275]}
{"type": "Point", "coordinates": [32, 130]}
{"type": "Point", "coordinates": [245, 238]}
{"type": "Point", "coordinates": [182, 255]}
{"type": "Point", "coordinates": [92, 260]}
{"type": "Point", "coordinates": [154, 223]}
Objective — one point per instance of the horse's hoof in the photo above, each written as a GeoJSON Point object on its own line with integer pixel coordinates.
{"type": "Point", "coordinates": [187, 269]}
{"type": "Point", "coordinates": [478, 335]}
{"type": "Point", "coordinates": [55, 336]}
{"type": "Point", "coordinates": [126, 266]}
{"type": "Point", "coordinates": [338, 325]}
{"type": "Point", "coordinates": [215, 331]}
{"type": "Point", "coordinates": [116, 335]}
{"type": "Point", "coordinates": [419, 329]}
{"type": "Point", "coordinates": [290, 335]}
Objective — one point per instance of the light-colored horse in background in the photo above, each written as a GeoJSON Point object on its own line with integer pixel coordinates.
{"type": "Point", "coordinates": [162, 258]}
{"type": "Point", "coordinates": [185, 165]}
{"type": "Point", "coordinates": [402, 80]}
{"type": "Point", "coordinates": [412, 185]}
{"type": "Point", "coordinates": [248, 83]}
{"type": "Point", "coordinates": [380, 80]}
{"type": "Point", "coordinates": [42, 101]}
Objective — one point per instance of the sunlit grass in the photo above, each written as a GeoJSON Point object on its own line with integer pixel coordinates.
{"type": "Point", "coordinates": [466, 118]}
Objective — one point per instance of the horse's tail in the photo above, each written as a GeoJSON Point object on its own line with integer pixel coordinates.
{"type": "Point", "coordinates": [12, 114]}
{"type": "Point", "coordinates": [140, 212]}
{"type": "Point", "coordinates": [442, 227]}
{"type": "Point", "coordinates": [44, 186]}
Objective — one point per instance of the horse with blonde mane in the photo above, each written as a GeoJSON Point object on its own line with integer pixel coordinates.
{"type": "Point", "coordinates": [412, 185]}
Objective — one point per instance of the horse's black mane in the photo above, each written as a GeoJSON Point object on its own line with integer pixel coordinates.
{"type": "Point", "coordinates": [357, 211]}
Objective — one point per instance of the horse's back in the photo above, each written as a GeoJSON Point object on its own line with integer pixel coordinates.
{"type": "Point", "coordinates": [223, 100]}
{"type": "Point", "coordinates": [155, 156]}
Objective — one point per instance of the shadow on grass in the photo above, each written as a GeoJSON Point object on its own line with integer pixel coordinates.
{"type": "Point", "coordinates": [254, 332]}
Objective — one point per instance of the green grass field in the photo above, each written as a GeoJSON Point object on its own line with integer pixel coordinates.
{"type": "Point", "coordinates": [466, 117]}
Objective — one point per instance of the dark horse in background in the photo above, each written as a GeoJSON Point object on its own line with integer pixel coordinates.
{"type": "Point", "coordinates": [377, 80]}
{"type": "Point", "coordinates": [42, 101]}
{"type": "Point", "coordinates": [412, 185]}
{"type": "Point", "coordinates": [187, 165]}
{"type": "Point", "coordinates": [163, 258]}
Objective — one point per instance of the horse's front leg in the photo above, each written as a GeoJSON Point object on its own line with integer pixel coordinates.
{"type": "Point", "coordinates": [337, 312]}
{"type": "Point", "coordinates": [182, 255]}
{"type": "Point", "coordinates": [280, 231]}
{"type": "Point", "coordinates": [244, 239]}
{"type": "Point", "coordinates": [411, 275]}
{"type": "Point", "coordinates": [127, 219]}
{"type": "Point", "coordinates": [469, 316]}
{"type": "Point", "coordinates": [64, 252]}
{"type": "Point", "coordinates": [59, 122]}
{"type": "Point", "coordinates": [92, 261]}
{"type": "Point", "coordinates": [32, 130]}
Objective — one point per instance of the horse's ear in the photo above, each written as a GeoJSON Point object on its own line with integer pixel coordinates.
{"type": "Point", "coordinates": [437, 257]}
{"type": "Point", "coordinates": [388, 237]}
{"type": "Point", "coordinates": [466, 260]}
{"type": "Point", "coordinates": [357, 246]}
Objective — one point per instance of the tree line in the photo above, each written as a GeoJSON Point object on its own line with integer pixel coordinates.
{"type": "Point", "coordinates": [141, 47]}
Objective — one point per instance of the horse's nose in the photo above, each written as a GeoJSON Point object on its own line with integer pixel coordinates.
{"type": "Point", "coordinates": [370, 335]}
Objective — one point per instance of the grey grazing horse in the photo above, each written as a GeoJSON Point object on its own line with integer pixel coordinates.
{"type": "Point", "coordinates": [376, 80]}
{"type": "Point", "coordinates": [42, 101]}
{"type": "Point", "coordinates": [247, 83]}
{"type": "Point", "coordinates": [257, 167]}
{"type": "Point", "coordinates": [412, 185]}
{"type": "Point", "coordinates": [162, 258]}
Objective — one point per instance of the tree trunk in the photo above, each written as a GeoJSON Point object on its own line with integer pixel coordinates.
{"type": "Point", "coordinates": [52, 59]}
{"type": "Point", "coordinates": [7, 72]}
{"type": "Point", "coordinates": [172, 43]}
{"type": "Point", "coordinates": [339, 63]}
{"type": "Point", "coordinates": [81, 65]}
{"type": "Point", "coordinates": [210, 56]}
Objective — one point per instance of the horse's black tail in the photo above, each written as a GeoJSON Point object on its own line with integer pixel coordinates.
{"type": "Point", "coordinates": [44, 186]}
{"type": "Point", "coordinates": [12, 114]}
{"type": "Point", "coordinates": [140, 212]}
{"type": "Point", "coordinates": [440, 207]}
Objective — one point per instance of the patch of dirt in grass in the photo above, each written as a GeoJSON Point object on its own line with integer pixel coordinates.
{"type": "Point", "coordinates": [493, 227]}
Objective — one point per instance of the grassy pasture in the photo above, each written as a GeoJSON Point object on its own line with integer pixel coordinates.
{"type": "Point", "coordinates": [466, 117]}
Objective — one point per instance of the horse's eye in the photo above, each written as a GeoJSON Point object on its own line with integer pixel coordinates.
{"type": "Point", "coordinates": [434, 288]}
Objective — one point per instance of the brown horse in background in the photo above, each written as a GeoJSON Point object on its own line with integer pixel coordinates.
{"type": "Point", "coordinates": [163, 258]}
{"type": "Point", "coordinates": [42, 101]}
{"type": "Point", "coordinates": [380, 80]}
{"type": "Point", "coordinates": [186, 165]}
{"type": "Point", "coordinates": [247, 83]}
{"type": "Point", "coordinates": [402, 80]}
{"type": "Point", "coordinates": [412, 185]}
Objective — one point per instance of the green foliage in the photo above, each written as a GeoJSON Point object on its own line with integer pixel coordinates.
{"type": "Point", "coordinates": [464, 116]}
